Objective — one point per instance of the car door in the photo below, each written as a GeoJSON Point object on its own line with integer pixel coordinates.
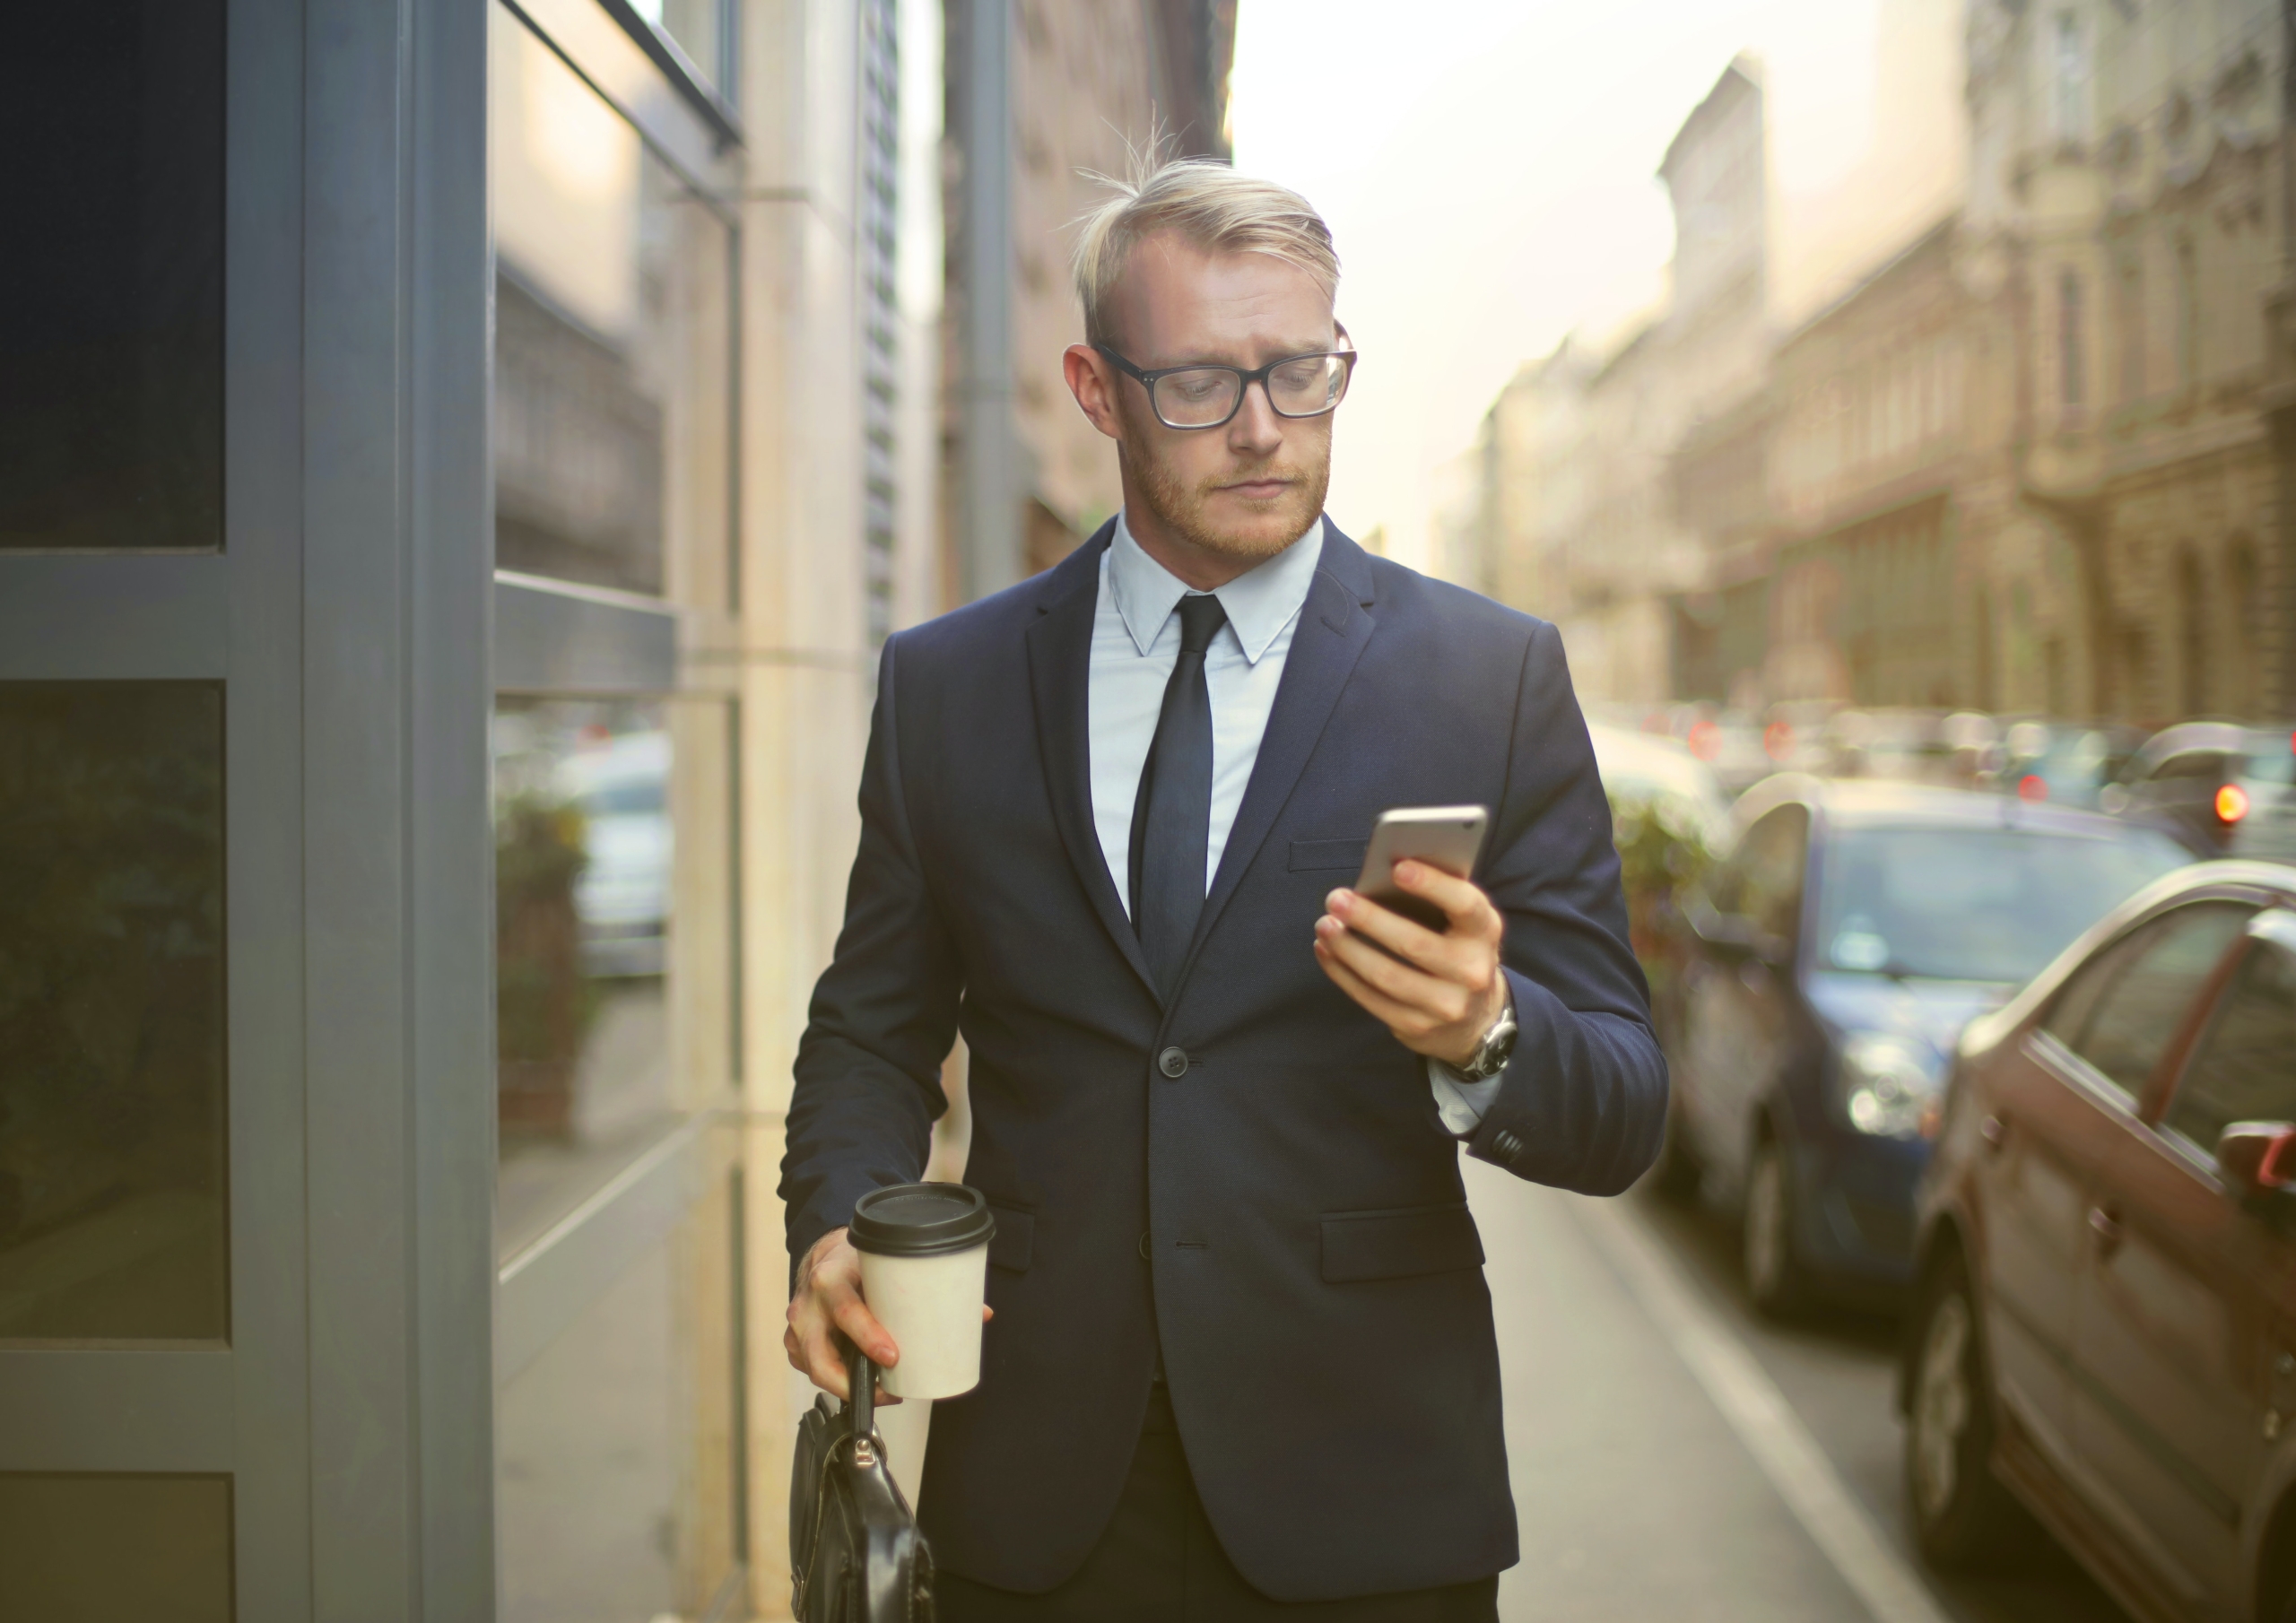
{"type": "Point", "coordinates": [2174, 1321]}
{"type": "Point", "coordinates": [2047, 1120]}
{"type": "Point", "coordinates": [1738, 1007]}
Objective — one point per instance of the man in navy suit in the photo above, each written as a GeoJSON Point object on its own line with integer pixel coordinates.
{"type": "Point", "coordinates": [1242, 1362]}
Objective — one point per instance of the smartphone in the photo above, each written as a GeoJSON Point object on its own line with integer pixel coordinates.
{"type": "Point", "coordinates": [1449, 838]}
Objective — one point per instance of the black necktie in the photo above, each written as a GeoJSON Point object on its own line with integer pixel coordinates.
{"type": "Point", "coordinates": [1171, 819]}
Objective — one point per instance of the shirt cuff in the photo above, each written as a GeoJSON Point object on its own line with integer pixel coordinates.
{"type": "Point", "coordinates": [1461, 1105]}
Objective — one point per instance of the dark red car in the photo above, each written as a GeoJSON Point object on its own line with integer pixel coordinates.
{"type": "Point", "coordinates": [2105, 1328]}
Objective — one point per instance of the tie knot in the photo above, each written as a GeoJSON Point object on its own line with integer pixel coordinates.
{"type": "Point", "coordinates": [1201, 618]}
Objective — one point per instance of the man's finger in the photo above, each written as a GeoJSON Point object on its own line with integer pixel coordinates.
{"type": "Point", "coordinates": [1415, 988]}
{"type": "Point", "coordinates": [1376, 1002]}
{"type": "Point", "coordinates": [1462, 903]}
{"type": "Point", "coordinates": [1414, 942]}
{"type": "Point", "coordinates": [852, 1316]}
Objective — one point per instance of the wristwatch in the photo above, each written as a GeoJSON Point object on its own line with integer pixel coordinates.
{"type": "Point", "coordinates": [1490, 1055]}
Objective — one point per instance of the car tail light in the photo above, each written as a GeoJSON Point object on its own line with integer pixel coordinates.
{"type": "Point", "coordinates": [1705, 739]}
{"type": "Point", "coordinates": [2231, 804]}
{"type": "Point", "coordinates": [1778, 739]}
{"type": "Point", "coordinates": [2033, 786]}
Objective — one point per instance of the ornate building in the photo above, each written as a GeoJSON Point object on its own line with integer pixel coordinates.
{"type": "Point", "coordinates": [2127, 222]}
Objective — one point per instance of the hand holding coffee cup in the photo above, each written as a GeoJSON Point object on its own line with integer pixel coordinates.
{"type": "Point", "coordinates": [834, 1298]}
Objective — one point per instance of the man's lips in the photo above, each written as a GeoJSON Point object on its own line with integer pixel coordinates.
{"type": "Point", "coordinates": [1258, 489]}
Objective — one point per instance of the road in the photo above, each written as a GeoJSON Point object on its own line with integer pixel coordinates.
{"type": "Point", "coordinates": [1676, 1457]}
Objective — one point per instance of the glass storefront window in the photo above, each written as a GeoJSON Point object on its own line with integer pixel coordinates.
{"type": "Point", "coordinates": [698, 27]}
{"type": "Point", "coordinates": [613, 345]}
{"type": "Point", "coordinates": [612, 823]}
{"type": "Point", "coordinates": [618, 1495]}
{"type": "Point", "coordinates": [112, 1217]}
{"type": "Point", "coordinates": [112, 336]}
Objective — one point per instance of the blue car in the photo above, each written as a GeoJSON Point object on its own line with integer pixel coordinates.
{"type": "Point", "coordinates": [1837, 952]}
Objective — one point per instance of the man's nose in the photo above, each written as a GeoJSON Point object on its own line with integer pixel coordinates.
{"type": "Point", "coordinates": [1256, 427]}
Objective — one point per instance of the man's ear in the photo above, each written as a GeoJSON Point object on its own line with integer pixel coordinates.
{"type": "Point", "coordinates": [1094, 381]}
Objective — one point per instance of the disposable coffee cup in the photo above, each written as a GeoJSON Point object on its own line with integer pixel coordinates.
{"type": "Point", "coordinates": [925, 1274]}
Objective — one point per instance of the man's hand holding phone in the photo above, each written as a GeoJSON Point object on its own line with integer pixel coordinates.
{"type": "Point", "coordinates": [1436, 992]}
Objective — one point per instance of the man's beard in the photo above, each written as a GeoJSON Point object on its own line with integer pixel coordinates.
{"type": "Point", "coordinates": [1180, 508]}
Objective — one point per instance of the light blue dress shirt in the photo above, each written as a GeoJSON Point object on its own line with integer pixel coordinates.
{"type": "Point", "coordinates": [1136, 642]}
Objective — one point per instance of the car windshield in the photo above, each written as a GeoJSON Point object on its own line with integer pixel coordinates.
{"type": "Point", "coordinates": [2271, 760]}
{"type": "Point", "coordinates": [1973, 904]}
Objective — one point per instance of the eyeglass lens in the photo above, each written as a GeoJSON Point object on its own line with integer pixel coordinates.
{"type": "Point", "coordinates": [1207, 396]}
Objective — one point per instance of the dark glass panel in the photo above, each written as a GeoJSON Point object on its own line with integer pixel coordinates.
{"type": "Point", "coordinates": [112, 1220]}
{"type": "Point", "coordinates": [84, 1546]}
{"type": "Point", "coordinates": [111, 332]}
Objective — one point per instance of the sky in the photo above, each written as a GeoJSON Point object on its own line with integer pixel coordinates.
{"type": "Point", "coordinates": [1488, 170]}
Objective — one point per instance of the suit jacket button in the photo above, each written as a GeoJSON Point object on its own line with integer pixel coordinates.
{"type": "Point", "coordinates": [1506, 1145]}
{"type": "Point", "coordinates": [1172, 1062]}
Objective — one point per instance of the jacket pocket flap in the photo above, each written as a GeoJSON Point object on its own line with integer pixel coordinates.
{"type": "Point", "coordinates": [1015, 1241]}
{"type": "Point", "coordinates": [1311, 853]}
{"type": "Point", "coordinates": [1396, 1245]}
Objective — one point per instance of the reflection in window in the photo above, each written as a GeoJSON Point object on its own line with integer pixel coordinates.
{"type": "Point", "coordinates": [111, 335]}
{"type": "Point", "coordinates": [111, 1011]}
{"type": "Point", "coordinates": [2150, 998]}
{"type": "Point", "coordinates": [2242, 1072]}
{"type": "Point", "coordinates": [617, 1495]}
{"type": "Point", "coordinates": [697, 26]}
{"type": "Point", "coordinates": [584, 861]}
{"type": "Point", "coordinates": [613, 342]}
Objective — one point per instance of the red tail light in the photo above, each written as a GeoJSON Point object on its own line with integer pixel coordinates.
{"type": "Point", "coordinates": [2231, 804]}
{"type": "Point", "coordinates": [2033, 786]}
{"type": "Point", "coordinates": [1778, 739]}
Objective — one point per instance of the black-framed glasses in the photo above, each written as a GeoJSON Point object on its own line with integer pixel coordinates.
{"type": "Point", "coordinates": [1206, 396]}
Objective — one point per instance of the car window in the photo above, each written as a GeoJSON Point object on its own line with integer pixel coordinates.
{"type": "Point", "coordinates": [1765, 882]}
{"type": "Point", "coordinates": [2244, 1069]}
{"type": "Point", "coordinates": [2198, 763]}
{"type": "Point", "coordinates": [1982, 903]}
{"type": "Point", "coordinates": [2084, 989]}
{"type": "Point", "coordinates": [2150, 995]}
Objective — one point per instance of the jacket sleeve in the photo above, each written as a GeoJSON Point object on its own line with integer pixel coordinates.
{"type": "Point", "coordinates": [1582, 1103]}
{"type": "Point", "coordinates": [883, 1015]}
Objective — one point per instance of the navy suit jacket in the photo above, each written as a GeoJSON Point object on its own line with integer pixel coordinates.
{"type": "Point", "coordinates": [1286, 1218]}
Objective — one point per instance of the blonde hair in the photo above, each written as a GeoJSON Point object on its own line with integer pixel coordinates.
{"type": "Point", "coordinates": [1211, 207]}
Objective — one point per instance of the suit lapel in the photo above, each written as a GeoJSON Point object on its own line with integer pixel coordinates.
{"type": "Point", "coordinates": [1334, 625]}
{"type": "Point", "coordinates": [1060, 652]}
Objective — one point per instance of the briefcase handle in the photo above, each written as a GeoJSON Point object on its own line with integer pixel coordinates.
{"type": "Point", "coordinates": [861, 1381]}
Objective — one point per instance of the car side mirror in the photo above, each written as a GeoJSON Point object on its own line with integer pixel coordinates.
{"type": "Point", "coordinates": [2258, 1159]}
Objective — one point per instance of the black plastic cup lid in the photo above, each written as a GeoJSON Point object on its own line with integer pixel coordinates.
{"type": "Point", "coordinates": [921, 1219]}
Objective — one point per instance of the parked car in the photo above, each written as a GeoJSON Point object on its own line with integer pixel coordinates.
{"type": "Point", "coordinates": [1655, 770]}
{"type": "Point", "coordinates": [2223, 789]}
{"type": "Point", "coordinates": [2106, 1321]}
{"type": "Point", "coordinates": [1853, 928]}
{"type": "Point", "coordinates": [620, 784]}
{"type": "Point", "coordinates": [2065, 763]}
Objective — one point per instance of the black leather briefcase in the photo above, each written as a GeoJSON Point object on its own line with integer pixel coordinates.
{"type": "Point", "coordinates": [853, 1542]}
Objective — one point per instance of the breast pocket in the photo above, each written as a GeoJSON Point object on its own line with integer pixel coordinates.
{"type": "Point", "coordinates": [1314, 856]}
{"type": "Point", "coordinates": [1399, 1243]}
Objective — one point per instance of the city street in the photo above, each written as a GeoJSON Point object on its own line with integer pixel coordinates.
{"type": "Point", "coordinates": [1674, 1456]}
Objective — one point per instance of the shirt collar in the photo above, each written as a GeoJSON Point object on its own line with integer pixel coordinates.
{"type": "Point", "coordinates": [1260, 603]}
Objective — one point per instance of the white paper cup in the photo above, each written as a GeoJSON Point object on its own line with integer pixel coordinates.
{"type": "Point", "coordinates": [925, 1274]}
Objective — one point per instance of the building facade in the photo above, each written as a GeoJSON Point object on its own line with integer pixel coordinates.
{"type": "Point", "coordinates": [455, 483]}
{"type": "Point", "coordinates": [1086, 89]}
{"type": "Point", "coordinates": [2127, 202]}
